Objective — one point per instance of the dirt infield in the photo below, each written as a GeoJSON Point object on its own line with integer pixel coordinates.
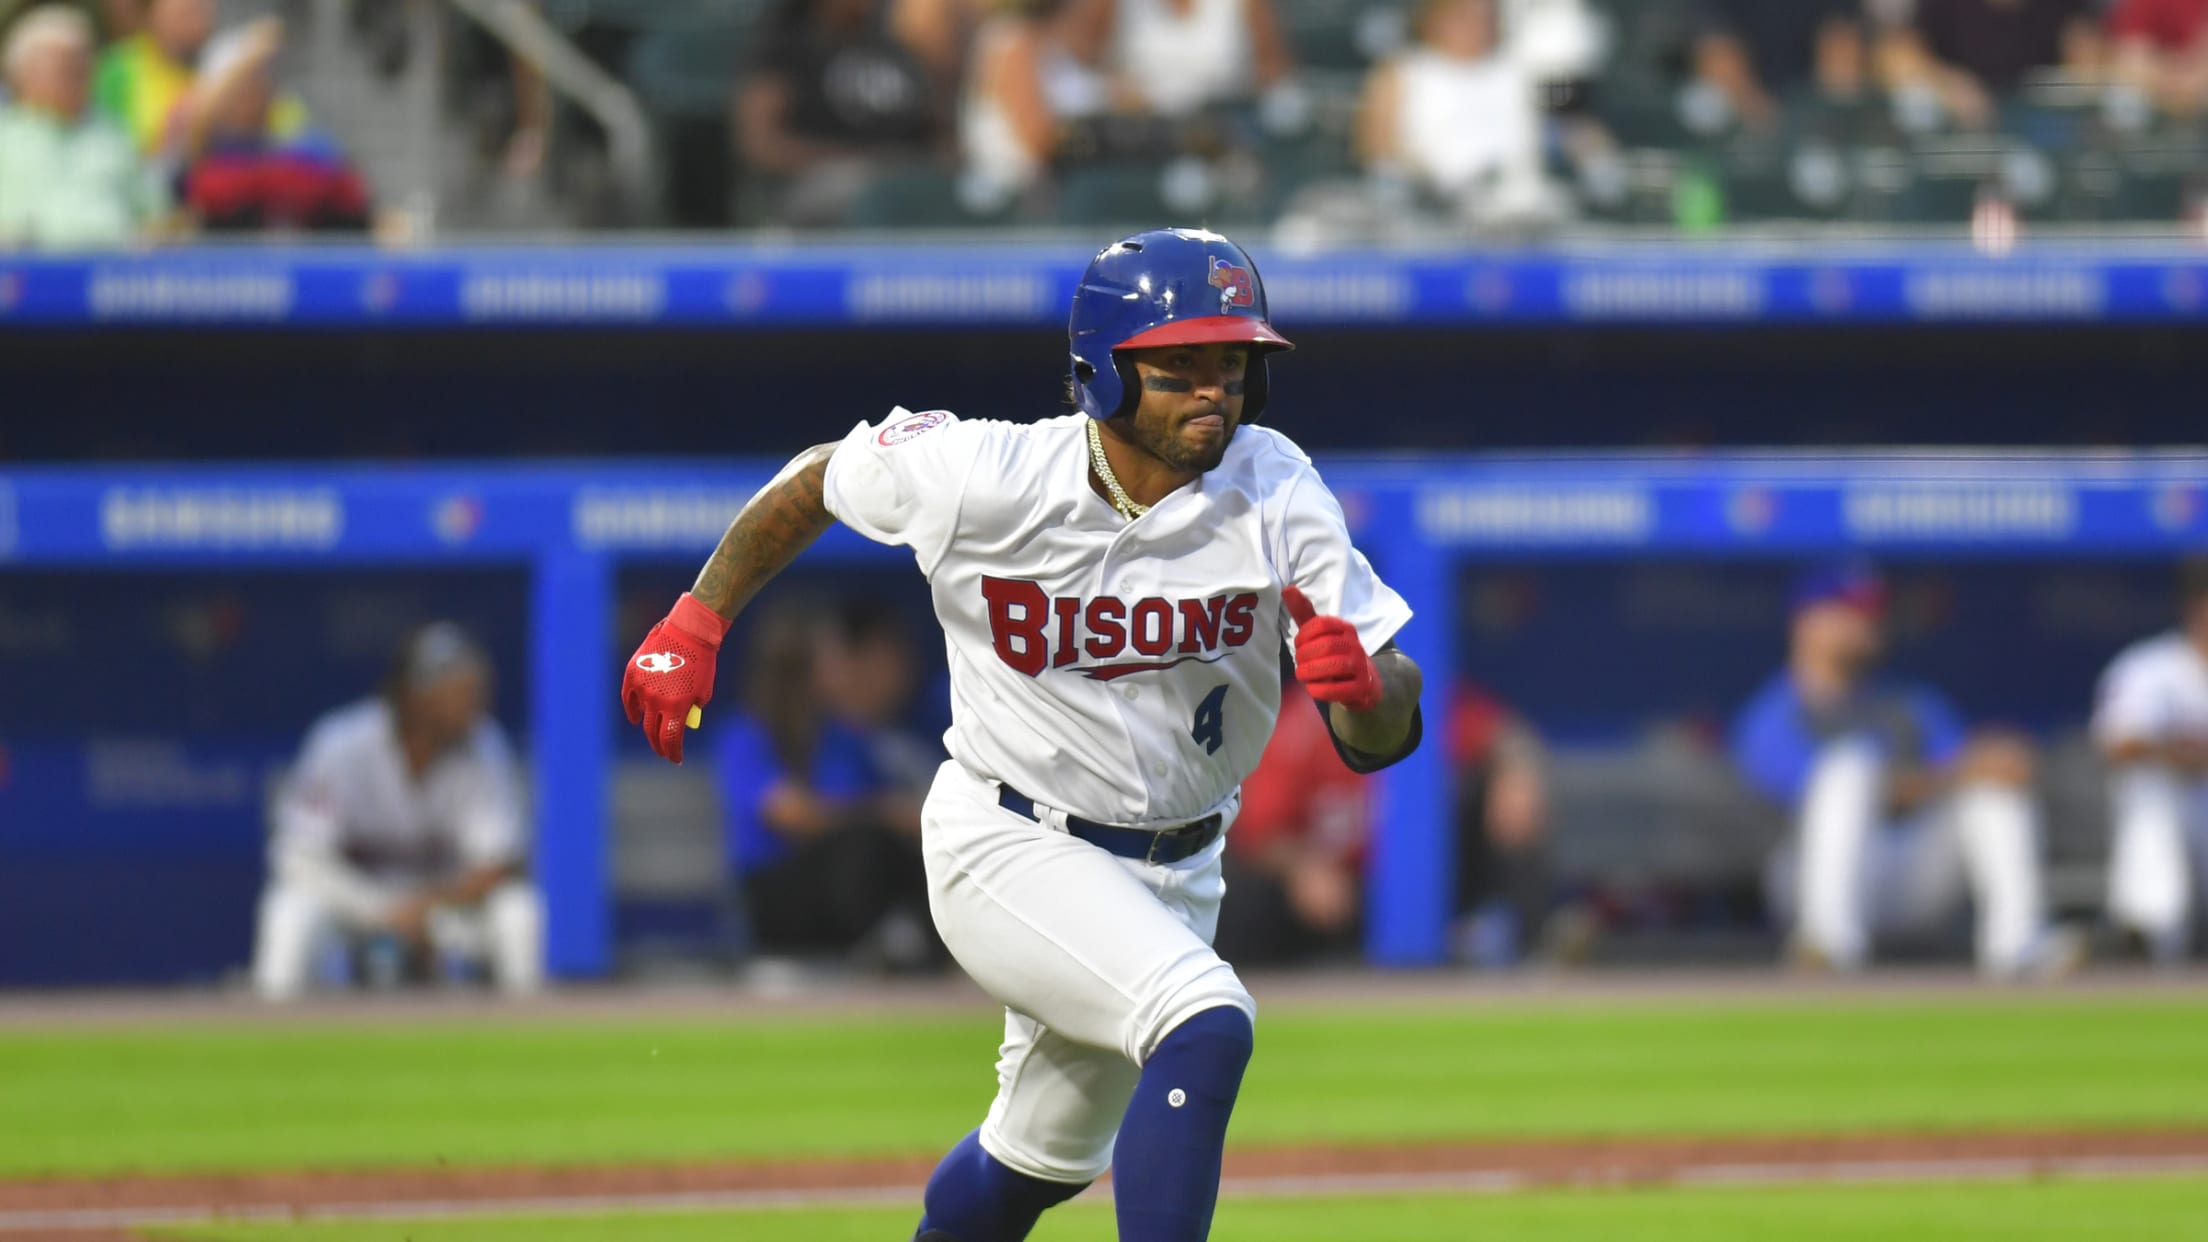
{"type": "Point", "coordinates": [95, 1208]}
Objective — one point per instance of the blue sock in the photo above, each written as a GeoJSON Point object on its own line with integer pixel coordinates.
{"type": "Point", "coordinates": [973, 1197]}
{"type": "Point", "coordinates": [1165, 1168]}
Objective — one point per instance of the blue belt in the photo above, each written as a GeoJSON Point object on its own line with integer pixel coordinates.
{"type": "Point", "coordinates": [1165, 845]}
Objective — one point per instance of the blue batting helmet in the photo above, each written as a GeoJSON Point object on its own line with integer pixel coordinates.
{"type": "Point", "coordinates": [1168, 287]}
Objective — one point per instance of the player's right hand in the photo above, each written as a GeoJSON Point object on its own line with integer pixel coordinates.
{"type": "Point", "coordinates": [671, 674]}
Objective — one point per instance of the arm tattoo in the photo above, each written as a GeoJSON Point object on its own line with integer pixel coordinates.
{"type": "Point", "coordinates": [781, 521]}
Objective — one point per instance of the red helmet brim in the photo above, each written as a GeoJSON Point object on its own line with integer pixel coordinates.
{"type": "Point", "coordinates": [1209, 330]}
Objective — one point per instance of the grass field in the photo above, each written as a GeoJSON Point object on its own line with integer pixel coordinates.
{"type": "Point", "coordinates": [2142, 1211]}
{"type": "Point", "coordinates": [316, 1096]}
{"type": "Point", "coordinates": [246, 1097]}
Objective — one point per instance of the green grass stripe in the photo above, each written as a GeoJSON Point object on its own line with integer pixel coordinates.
{"type": "Point", "coordinates": [296, 1096]}
{"type": "Point", "coordinates": [2158, 1210]}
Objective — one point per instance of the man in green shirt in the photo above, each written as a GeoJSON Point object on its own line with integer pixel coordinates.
{"type": "Point", "coordinates": [69, 178]}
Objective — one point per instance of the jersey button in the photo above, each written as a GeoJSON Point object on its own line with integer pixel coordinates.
{"type": "Point", "coordinates": [1131, 693]}
{"type": "Point", "coordinates": [1158, 768]}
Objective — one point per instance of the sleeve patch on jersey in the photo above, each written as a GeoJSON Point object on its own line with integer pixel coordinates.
{"type": "Point", "coordinates": [912, 427]}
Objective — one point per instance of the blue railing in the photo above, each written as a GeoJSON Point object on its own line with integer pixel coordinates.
{"type": "Point", "coordinates": [1029, 283]}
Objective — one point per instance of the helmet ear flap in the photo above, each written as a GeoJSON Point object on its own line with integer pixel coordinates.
{"type": "Point", "coordinates": [1130, 385]}
{"type": "Point", "coordinates": [1090, 389]}
{"type": "Point", "coordinates": [1256, 388]}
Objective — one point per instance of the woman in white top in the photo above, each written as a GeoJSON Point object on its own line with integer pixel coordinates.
{"type": "Point", "coordinates": [1022, 86]}
{"type": "Point", "coordinates": [1457, 116]}
{"type": "Point", "coordinates": [1175, 57]}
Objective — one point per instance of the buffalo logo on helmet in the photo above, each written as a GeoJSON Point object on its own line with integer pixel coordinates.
{"type": "Point", "coordinates": [1235, 284]}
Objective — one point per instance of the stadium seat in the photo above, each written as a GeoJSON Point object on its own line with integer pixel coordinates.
{"type": "Point", "coordinates": [1339, 34]}
{"type": "Point", "coordinates": [918, 198]}
{"type": "Point", "coordinates": [687, 68]}
{"type": "Point", "coordinates": [1642, 113]}
{"type": "Point", "coordinates": [1113, 194]}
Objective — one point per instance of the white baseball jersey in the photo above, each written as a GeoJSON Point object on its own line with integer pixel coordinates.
{"type": "Point", "coordinates": [351, 797]}
{"type": "Point", "coordinates": [2155, 690]}
{"type": "Point", "coordinates": [1124, 671]}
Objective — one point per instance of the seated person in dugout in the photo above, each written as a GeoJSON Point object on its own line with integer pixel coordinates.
{"type": "Point", "coordinates": [1899, 812]}
{"type": "Point", "coordinates": [821, 788]}
{"type": "Point", "coordinates": [401, 825]}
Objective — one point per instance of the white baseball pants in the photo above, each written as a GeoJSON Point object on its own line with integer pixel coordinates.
{"type": "Point", "coordinates": [1859, 875]}
{"type": "Point", "coordinates": [1095, 958]}
{"type": "Point", "coordinates": [296, 919]}
{"type": "Point", "coordinates": [2158, 837]}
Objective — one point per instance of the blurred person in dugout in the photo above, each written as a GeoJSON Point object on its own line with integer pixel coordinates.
{"type": "Point", "coordinates": [1898, 812]}
{"type": "Point", "coordinates": [252, 159]}
{"type": "Point", "coordinates": [69, 177]}
{"type": "Point", "coordinates": [1295, 863]}
{"type": "Point", "coordinates": [401, 826]}
{"type": "Point", "coordinates": [143, 78]}
{"type": "Point", "coordinates": [1459, 118]}
{"type": "Point", "coordinates": [831, 99]}
{"type": "Point", "coordinates": [2151, 724]}
{"type": "Point", "coordinates": [821, 786]}
{"type": "Point", "coordinates": [2161, 49]}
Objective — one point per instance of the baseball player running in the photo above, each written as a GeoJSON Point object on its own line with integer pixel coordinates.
{"type": "Point", "coordinates": [1114, 587]}
{"type": "Point", "coordinates": [2152, 726]}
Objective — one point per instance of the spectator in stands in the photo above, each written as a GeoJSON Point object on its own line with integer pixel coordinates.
{"type": "Point", "coordinates": [2151, 723]}
{"type": "Point", "coordinates": [1756, 54]}
{"type": "Point", "coordinates": [1898, 811]}
{"type": "Point", "coordinates": [1970, 53]}
{"type": "Point", "coordinates": [143, 78]}
{"type": "Point", "coordinates": [1458, 118]}
{"type": "Point", "coordinates": [830, 99]}
{"type": "Point", "coordinates": [822, 789]}
{"type": "Point", "coordinates": [2162, 49]}
{"type": "Point", "coordinates": [942, 33]}
{"type": "Point", "coordinates": [69, 177]}
{"type": "Point", "coordinates": [1296, 855]}
{"type": "Point", "coordinates": [1177, 57]}
{"type": "Point", "coordinates": [1559, 43]}
{"type": "Point", "coordinates": [111, 19]}
{"type": "Point", "coordinates": [1023, 87]}
{"type": "Point", "coordinates": [253, 160]}
{"type": "Point", "coordinates": [401, 826]}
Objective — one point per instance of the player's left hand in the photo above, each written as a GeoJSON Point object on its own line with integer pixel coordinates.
{"type": "Point", "coordinates": [1330, 658]}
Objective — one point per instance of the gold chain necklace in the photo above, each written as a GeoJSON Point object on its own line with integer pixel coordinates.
{"type": "Point", "coordinates": [1120, 499]}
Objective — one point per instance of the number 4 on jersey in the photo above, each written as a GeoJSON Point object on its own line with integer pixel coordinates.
{"type": "Point", "coordinates": [1210, 729]}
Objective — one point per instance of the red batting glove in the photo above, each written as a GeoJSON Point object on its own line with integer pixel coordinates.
{"type": "Point", "coordinates": [672, 673]}
{"type": "Point", "coordinates": [1330, 658]}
